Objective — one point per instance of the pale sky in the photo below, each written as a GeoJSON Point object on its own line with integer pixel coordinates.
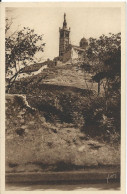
{"type": "Point", "coordinates": [83, 21]}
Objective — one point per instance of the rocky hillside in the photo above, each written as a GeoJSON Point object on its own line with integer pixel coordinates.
{"type": "Point", "coordinates": [65, 75]}
{"type": "Point", "coordinates": [34, 144]}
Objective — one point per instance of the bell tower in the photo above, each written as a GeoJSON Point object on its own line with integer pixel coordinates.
{"type": "Point", "coordinates": [63, 37]}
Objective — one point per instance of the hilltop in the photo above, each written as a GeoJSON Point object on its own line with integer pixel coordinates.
{"type": "Point", "coordinates": [70, 75]}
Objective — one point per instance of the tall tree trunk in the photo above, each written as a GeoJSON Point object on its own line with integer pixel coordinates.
{"type": "Point", "coordinates": [98, 87]}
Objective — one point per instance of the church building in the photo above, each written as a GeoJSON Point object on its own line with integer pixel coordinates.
{"type": "Point", "coordinates": [67, 51]}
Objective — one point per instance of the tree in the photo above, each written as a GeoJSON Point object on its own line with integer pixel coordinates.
{"type": "Point", "coordinates": [110, 61]}
{"type": "Point", "coordinates": [21, 46]}
{"type": "Point", "coordinates": [104, 58]}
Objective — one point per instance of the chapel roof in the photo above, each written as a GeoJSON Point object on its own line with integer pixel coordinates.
{"type": "Point", "coordinates": [83, 40]}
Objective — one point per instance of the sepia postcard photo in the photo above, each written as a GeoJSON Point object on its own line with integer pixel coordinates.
{"type": "Point", "coordinates": [63, 97]}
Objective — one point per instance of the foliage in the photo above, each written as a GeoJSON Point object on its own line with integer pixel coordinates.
{"type": "Point", "coordinates": [103, 60]}
{"type": "Point", "coordinates": [100, 50]}
{"type": "Point", "coordinates": [21, 47]}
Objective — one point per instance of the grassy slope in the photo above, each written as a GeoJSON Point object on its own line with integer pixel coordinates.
{"type": "Point", "coordinates": [32, 144]}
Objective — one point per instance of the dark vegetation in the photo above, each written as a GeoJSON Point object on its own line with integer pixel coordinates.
{"type": "Point", "coordinates": [83, 109]}
{"type": "Point", "coordinates": [103, 60]}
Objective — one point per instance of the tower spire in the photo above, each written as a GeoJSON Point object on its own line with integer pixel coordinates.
{"type": "Point", "coordinates": [64, 17]}
{"type": "Point", "coordinates": [64, 23]}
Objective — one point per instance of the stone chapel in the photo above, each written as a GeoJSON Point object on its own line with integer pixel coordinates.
{"type": "Point", "coordinates": [67, 51]}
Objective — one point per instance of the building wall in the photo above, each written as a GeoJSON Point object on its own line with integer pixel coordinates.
{"type": "Point", "coordinates": [63, 41]}
{"type": "Point", "coordinates": [67, 56]}
{"type": "Point", "coordinates": [72, 55]}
